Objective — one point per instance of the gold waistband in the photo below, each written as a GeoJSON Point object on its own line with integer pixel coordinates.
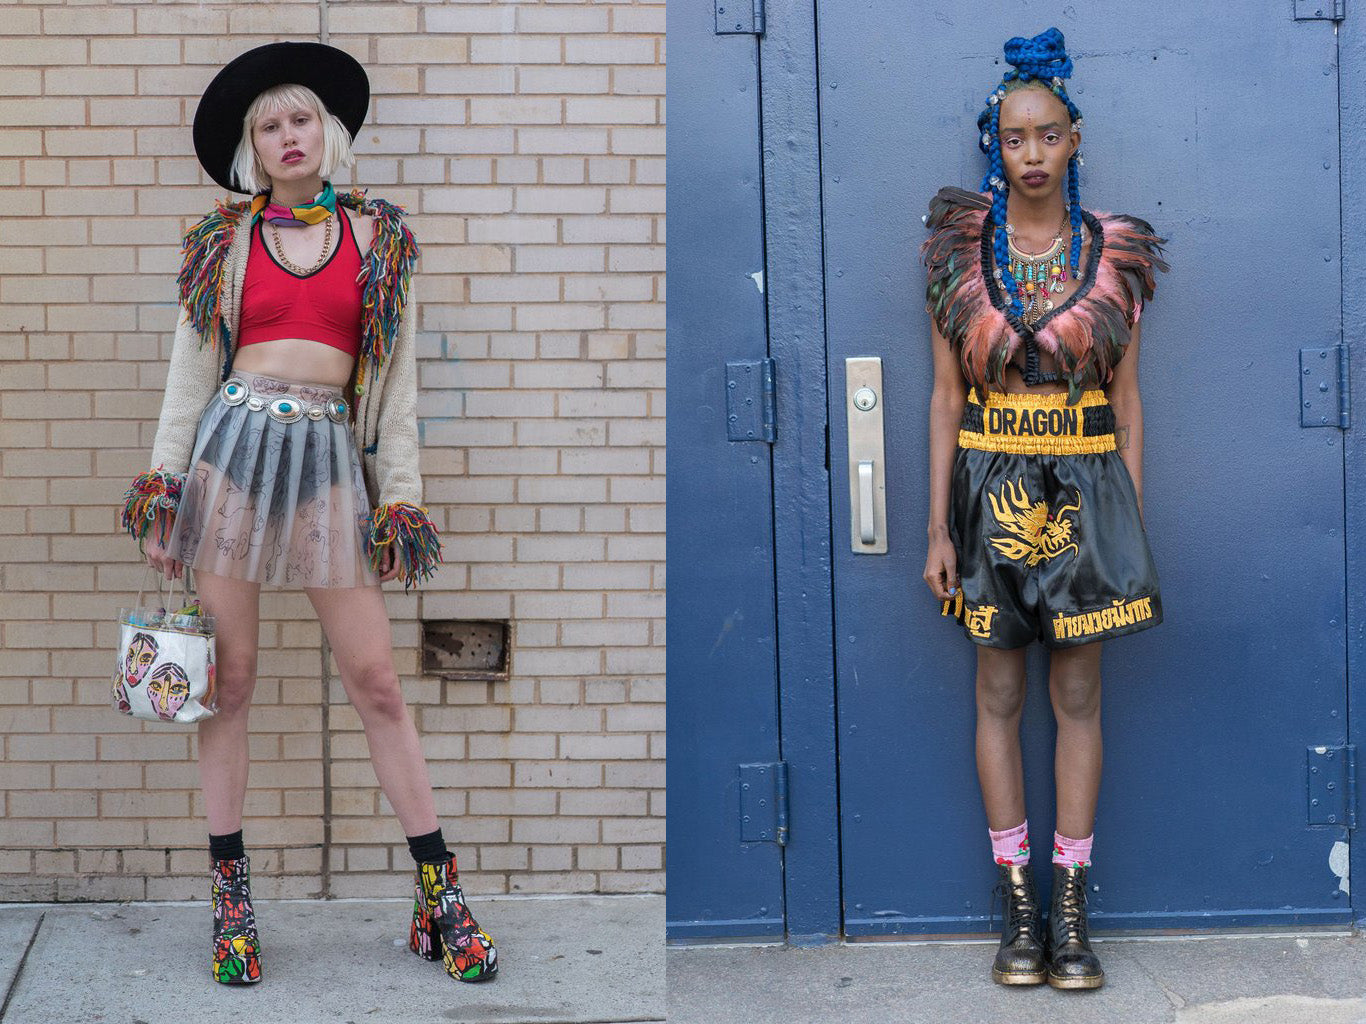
{"type": "Point", "coordinates": [1025, 424]}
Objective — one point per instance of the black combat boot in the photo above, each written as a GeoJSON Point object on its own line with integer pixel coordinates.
{"type": "Point", "coordinates": [1020, 960]}
{"type": "Point", "coordinates": [1071, 964]}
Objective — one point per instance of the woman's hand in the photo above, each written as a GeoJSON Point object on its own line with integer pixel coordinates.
{"type": "Point", "coordinates": [388, 565]}
{"type": "Point", "coordinates": [941, 568]}
{"type": "Point", "coordinates": [170, 568]}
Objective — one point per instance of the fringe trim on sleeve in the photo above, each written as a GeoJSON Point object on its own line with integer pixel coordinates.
{"type": "Point", "coordinates": [412, 535]}
{"type": "Point", "coordinates": [384, 277]}
{"type": "Point", "coordinates": [203, 257]}
{"type": "Point", "coordinates": [150, 504]}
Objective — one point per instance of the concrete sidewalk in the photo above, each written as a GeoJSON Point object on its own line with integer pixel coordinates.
{"type": "Point", "coordinates": [563, 960]}
{"type": "Point", "coordinates": [1259, 979]}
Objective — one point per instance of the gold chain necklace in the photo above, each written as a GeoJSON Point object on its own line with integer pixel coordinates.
{"type": "Point", "coordinates": [294, 268]}
{"type": "Point", "coordinates": [1038, 273]}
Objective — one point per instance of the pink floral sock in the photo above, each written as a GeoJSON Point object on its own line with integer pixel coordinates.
{"type": "Point", "coordinates": [1074, 853]}
{"type": "Point", "coordinates": [1012, 845]}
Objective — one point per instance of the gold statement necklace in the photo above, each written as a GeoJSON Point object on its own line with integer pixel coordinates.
{"type": "Point", "coordinates": [1038, 273]}
{"type": "Point", "coordinates": [294, 268]}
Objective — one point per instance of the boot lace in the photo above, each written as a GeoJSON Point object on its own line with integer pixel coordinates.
{"type": "Point", "coordinates": [232, 889]}
{"type": "Point", "coordinates": [1072, 906]}
{"type": "Point", "coordinates": [1021, 908]}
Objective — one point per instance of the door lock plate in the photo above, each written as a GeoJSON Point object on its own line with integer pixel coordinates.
{"type": "Point", "coordinates": [867, 470]}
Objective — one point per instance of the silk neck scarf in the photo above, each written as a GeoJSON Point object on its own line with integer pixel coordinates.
{"type": "Point", "coordinates": [322, 207]}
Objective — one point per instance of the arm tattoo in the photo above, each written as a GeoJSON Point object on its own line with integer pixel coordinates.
{"type": "Point", "coordinates": [1121, 438]}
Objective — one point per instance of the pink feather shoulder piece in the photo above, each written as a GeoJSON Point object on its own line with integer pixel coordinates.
{"type": "Point", "coordinates": [956, 293]}
{"type": "Point", "coordinates": [1086, 335]}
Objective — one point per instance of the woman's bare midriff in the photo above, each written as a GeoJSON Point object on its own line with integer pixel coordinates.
{"type": "Point", "coordinates": [1015, 384]}
{"type": "Point", "coordinates": [296, 359]}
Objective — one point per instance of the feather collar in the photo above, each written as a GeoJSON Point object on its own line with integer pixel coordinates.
{"type": "Point", "coordinates": [385, 275]}
{"type": "Point", "coordinates": [1086, 335]}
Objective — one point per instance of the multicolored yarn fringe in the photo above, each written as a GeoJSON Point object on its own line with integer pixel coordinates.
{"type": "Point", "coordinates": [202, 259]}
{"type": "Point", "coordinates": [386, 275]}
{"type": "Point", "coordinates": [1087, 336]}
{"type": "Point", "coordinates": [412, 535]}
{"type": "Point", "coordinates": [150, 503]}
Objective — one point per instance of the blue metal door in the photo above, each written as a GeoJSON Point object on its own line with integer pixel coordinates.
{"type": "Point", "coordinates": [1225, 725]}
{"type": "Point", "coordinates": [725, 880]}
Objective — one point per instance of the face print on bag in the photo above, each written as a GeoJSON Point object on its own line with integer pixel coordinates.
{"type": "Point", "coordinates": [168, 688]}
{"type": "Point", "coordinates": [142, 651]}
{"type": "Point", "coordinates": [119, 693]}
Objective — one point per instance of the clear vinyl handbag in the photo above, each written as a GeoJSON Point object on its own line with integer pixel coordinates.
{"type": "Point", "coordinates": [166, 660]}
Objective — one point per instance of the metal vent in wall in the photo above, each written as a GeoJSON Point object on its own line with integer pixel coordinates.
{"type": "Point", "coordinates": [465, 649]}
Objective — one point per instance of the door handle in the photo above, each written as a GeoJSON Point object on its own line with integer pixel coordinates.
{"type": "Point", "coordinates": [865, 502]}
{"type": "Point", "coordinates": [867, 466]}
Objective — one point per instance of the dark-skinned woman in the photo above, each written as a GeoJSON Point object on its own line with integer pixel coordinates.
{"type": "Point", "coordinates": [1036, 474]}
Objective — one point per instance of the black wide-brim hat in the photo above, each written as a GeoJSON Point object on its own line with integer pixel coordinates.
{"type": "Point", "coordinates": [333, 74]}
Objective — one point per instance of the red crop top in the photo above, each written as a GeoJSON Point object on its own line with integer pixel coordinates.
{"type": "Point", "coordinates": [322, 306]}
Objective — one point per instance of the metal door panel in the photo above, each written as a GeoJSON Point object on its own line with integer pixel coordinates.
{"type": "Point", "coordinates": [721, 662]}
{"type": "Point", "coordinates": [1352, 130]}
{"type": "Point", "coordinates": [1234, 157]}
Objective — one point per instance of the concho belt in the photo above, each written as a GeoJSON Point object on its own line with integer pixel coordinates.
{"type": "Point", "coordinates": [285, 408]}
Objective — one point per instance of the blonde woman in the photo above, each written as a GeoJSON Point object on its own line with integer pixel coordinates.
{"type": "Point", "coordinates": [286, 454]}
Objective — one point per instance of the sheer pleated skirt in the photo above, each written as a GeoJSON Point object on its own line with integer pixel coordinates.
{"type": "Point", "coordinates": [274, 502]}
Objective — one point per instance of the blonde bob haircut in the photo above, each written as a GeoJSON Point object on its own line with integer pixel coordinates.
{"type": "Point", "coordinates": [247, 171]}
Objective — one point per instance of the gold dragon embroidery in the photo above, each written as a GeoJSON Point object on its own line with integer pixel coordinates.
{"type": "Point", "coordinates": [1035, 534]}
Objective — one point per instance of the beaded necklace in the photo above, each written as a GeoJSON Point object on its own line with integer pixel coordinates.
{"type": "Point", "coordinates": [1038, 272]}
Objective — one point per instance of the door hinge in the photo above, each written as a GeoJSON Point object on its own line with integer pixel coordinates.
{"type": "Point", "coordinates": [1320, 10]}
{"type": "Point", "coordinates": [1332, 775]}
{"type": "Point", "coordinates": [741, 17]}
{"type": "Point", "coordinates": [1325, 387]}
{"type": "Point", "coordinates": [763, 803]}
{"type": "Point", "coordinates": [751, 407]}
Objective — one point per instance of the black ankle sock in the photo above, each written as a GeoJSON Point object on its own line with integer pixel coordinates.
{"type": "Point", "coordinates": [428, 849]}
{"type": "Point", "coordinates": [227, 847]}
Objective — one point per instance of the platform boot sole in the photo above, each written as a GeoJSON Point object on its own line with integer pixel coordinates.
{"type": "Point", "coordinates": [1018, 978]}
{"type": "Point", "coordinates": [1070, 983]}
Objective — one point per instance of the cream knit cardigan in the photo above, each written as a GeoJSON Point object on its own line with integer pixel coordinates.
{"type": "Point", "coordinates": [385, 426]}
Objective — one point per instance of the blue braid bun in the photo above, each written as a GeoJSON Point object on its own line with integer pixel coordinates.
{"type": "Point", "coordinates": [1044, 56]}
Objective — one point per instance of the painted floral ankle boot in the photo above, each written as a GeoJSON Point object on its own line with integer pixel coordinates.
{"type": "Point", "coordinates": [443, 927]}
{"type": "Point", "coordinates": [236, 947]}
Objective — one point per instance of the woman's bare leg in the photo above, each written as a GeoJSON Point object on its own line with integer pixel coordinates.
{"type": "Point", "coordinates": [357, 626]}
{"type": "Point", "coordinates": [1000, 701]}
{"type": "Point", "coordinates": [223, 755]}
{"type": "Point", "coordinates": [1074, 686]}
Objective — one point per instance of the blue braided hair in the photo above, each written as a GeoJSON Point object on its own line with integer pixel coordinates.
{"type": "Point", "coordinates": [1042, 60]}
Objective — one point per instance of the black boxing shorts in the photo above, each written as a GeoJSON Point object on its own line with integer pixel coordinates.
{"type": "Point", "coordinates": [1044, 518]}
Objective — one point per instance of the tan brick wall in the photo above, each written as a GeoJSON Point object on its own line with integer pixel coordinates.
{"type": "Point", "coordinates": [527, 142]}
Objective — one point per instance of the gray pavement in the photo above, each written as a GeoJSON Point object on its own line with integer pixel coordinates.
{"type": "Point", "coordinates": [563, 960]}
{"type": "Point", "coordinates": [1261, 979]}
